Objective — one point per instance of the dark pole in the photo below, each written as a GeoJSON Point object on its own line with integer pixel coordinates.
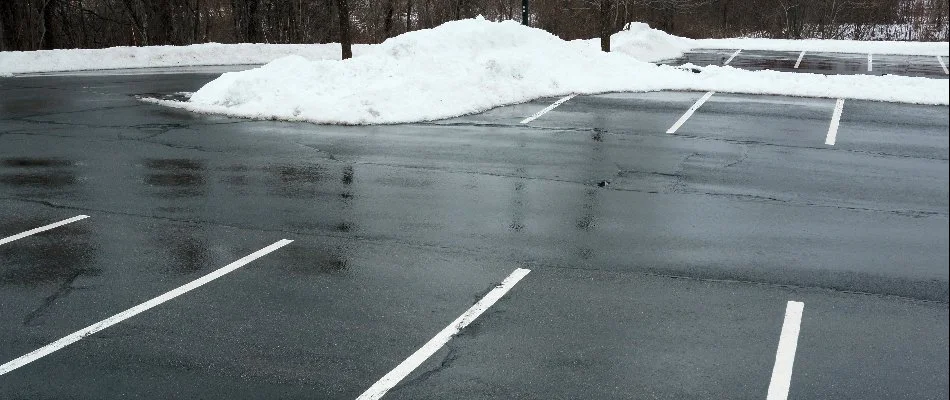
{"type": "Point", "coordinates": [524, 12]}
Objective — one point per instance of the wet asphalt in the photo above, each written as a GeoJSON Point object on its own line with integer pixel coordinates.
{"type": "Point", "coordinates": [819, 63]}
{"type": "Point", "coordinates": [670, 282]}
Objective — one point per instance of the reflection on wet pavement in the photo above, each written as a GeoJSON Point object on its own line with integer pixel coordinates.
{"type": "Point", "coordinates": [517, 204]}
{"type": "Point", "coordinates": [835, 64]}
{"type": "Point", "coordinates": [347, 175]}
{"type": "Point", "coordinates": [321, 259]}
{"type": "Point", "coordinates": [175, 178]}
{"type": "Point", "coordinates": [701, 57]}
{"type": "Point", "coordinates": [55, 259]}
{"type": "Point", "coordinates": [297, 181]}
{"type": "Point", "coordinates": [187, 246]}
{"type": "Point", "coordinates": [34, 162]}
{"type": "Point", "coordinates": [49, 177]}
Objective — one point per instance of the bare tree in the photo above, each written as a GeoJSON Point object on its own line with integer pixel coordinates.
{"type": "Point", "coordinates": [39, 24]}
{"type": "Point", "coordinates": [345, 43]}
{"type": "Point", "coordinates": [606, 28]}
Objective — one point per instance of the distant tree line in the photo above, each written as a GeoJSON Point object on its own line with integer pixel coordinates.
{"type": "Point", "coordinates": [52, 24]}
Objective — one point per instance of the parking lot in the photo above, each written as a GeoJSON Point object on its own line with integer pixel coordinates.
{"type": "Point", "coordinates": [663, 245]}
{"type": "Point", "coordinates": [819, 62]}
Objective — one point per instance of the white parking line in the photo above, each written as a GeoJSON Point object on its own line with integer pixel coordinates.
{"type": "Point", "coordinates": [733, 56]}
{"type": "Point", "coordinates": [402, 370]}
{"type": "Point", "coordinates": [548, 108]}
{"type": "Point", "coordinates": [9, 239]}
{"type": "Point", "coordinates": [689, 112]}
{"type": "Point", "coordinates": [785, 355]}
{"type": "Point", "coordinates": [799, 62]}
{"type": "Point", "coordinates": [942, 65]}
{"type": "Point", "coordinates": [115, 319]}
{"type": "Point", "coordinates": [835, 120]}
{"type": "Point", "coordinates": [869, 62]}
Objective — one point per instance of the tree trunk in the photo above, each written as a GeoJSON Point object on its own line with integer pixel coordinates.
{"type": "Point", "coordinates": [137, 24]}
{"type": "Point", "coordinates": [388, 22]}
{"type": "Point", "coordinates": [196, 22]}
{"type": "Point", "coordinates": [252, 32]}
{"type": "Point", "coordinates": [408, 15]}
{"type": "Point", "coordinates": [344, 12]}
{"type": "Point", "coordinates": [47, 40]}
{"type": "Point", "coordinates": [605, 25]}
{"type": "Point", "coordinates": [3, 31]}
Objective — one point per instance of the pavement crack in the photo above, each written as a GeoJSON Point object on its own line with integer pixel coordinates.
{"type": "Point", "coordinates": [769, 199]}
{"type": "Point", "coordinates": [446, 363]}
{"type": "Point", "coordinates": [63, 290]}
{"type": "Point", "coordinates": [743, 157]}
{"type": "Point", "coordinates": [748, 282]}
{"type": "Point", "coordinates": [626, 173]}
{"type": "Point", "coordinates": [106, 108]}
{"type": "Point", "coordinates": [678, 186]}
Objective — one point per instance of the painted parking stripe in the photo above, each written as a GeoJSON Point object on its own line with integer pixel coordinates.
{"type": "Point", "coordinates": [942, 65]}
{"type": "Point", "coordinates": [548, 108]}
{"type": "Point", "coordinates": [785, 355]}
{"type": "Point", "coordinates": [835, 120]}
{"type": "Point", "coordinates": [799, 62]}
{"type": "Point", "coordinates": [115, 319]}
{"type": "Point", "coordinates": [689, 112]}
{"type": "Point", "coordinates": [869, 62]}
{"type": "Point", "coordinates": [402, 370]}
{"type": "Point", "coordinates": [733, 56]}
{"type": "Point", "coordinates": [9, 239]}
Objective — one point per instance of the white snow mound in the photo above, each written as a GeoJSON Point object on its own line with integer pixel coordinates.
{"type": "Point", "coordinates": [639, 41]}
{"type": "Point", "coordinates": [470, 66]}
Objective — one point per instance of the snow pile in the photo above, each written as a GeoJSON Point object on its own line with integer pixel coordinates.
{"type": "Point", "coordinates": [828, 46]}
{"type": "Point", "coordinates": [457, 68]}
{"type": "Point", "coordinates": [640, 41]}
{"type": "Point", "coordinates": [19, 62]}
{"type": "Point", "coordinates": [470, 66]}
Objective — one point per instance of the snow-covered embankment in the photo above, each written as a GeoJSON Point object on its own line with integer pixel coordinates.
{"type": "Point", "coordinates": [25, 62]}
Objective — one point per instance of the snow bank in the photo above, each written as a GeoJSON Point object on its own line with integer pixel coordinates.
{"type": "Point", "coordinates": [470, 66]}
{"type": "Point", "coordinates": [640, 41]}
{"type": "Point", "coordinates": [18, 62]}
{"type": "Point", "coordinates": [830, 46]}
{"type": "Point", "coordinates": [893, 88]}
